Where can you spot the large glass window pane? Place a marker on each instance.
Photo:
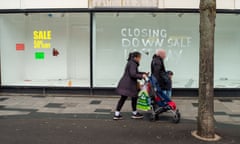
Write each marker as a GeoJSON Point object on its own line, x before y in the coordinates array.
{"type": "Point", "coordinates": [227, 51]}
{"type": "Point", "coordinates": [45, 49]}
{"type": "Point", "coordinates": [117, 34]}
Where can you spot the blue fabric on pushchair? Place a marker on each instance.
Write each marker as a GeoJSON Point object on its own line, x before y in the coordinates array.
{"type": "Point", "coordinates": [155, 86]}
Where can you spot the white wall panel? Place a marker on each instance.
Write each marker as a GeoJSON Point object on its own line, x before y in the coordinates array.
{"type": "Point", "coordinates": [181, 3]}
{"type": "Point", "coordinates": [54, 4]}
{"type": "Point", "coordinates": [10, 4]}
{"type": "Point", "coordinates": [225, 4]}
{"type": "Point", "coordinates": [237, 4]}
{"type": "Point", "coordinates": [221, 4]}
{"type": "Point", "coordinates": [161, 4]}
{"type": "Point", "coordinates": [24, 4]}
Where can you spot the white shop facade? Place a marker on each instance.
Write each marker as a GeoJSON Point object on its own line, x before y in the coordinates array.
{"type": "Point", "coordinates": [83, 50]}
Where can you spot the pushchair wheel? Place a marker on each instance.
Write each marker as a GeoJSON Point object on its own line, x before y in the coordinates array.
{"type": "Point", "coordinates": [154, 117]}
{"type": "Point", "coordinates": [177, 117]}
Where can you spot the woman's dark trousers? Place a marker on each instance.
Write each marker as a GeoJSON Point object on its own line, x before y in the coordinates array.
{"type": "Point", "coordinates": [122, 101]}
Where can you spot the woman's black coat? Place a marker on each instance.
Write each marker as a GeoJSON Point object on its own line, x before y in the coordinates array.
{"type": "Point", "coordinates": [158, 70]}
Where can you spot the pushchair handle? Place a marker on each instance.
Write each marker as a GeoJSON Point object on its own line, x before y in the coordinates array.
{"type": "Point", "coordinates": [146, 79]}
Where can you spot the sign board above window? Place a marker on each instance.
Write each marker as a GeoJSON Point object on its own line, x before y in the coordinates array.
{"type": "Point", "coordinates": [123, 3]}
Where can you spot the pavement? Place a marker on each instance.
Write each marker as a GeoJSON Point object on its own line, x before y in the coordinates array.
{"type": "Point", "coordinates": [88, 120]}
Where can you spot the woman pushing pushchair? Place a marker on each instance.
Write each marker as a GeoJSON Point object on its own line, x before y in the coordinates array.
{"type": "Point", "coordinates": [127, 86]}
{"type": "Point", "coordinates": [158, 86]}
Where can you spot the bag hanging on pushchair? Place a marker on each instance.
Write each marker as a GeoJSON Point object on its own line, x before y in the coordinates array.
{"type": "Point", "coordinates": [144, 101]}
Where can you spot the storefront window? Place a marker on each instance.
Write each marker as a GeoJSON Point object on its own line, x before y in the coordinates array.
{"type": "Point", "coordinates": [53, 49]}
{"type": "Point", "coordinates": [227, 51]}
{"type": "Point", "coordinates": [117, 34]}
{"type": "Point", "coordinates": [45, 49]}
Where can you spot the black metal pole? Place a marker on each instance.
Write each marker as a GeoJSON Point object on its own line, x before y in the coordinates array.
{"type": "Point", "coordinates": [91, 52]}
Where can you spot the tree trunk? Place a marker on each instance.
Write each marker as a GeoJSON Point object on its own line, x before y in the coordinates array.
{"type": "Point", "coordinates": [205, 127]}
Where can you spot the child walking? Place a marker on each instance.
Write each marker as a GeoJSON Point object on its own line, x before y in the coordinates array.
{"type": "Point", "coordinates": [127, 86]}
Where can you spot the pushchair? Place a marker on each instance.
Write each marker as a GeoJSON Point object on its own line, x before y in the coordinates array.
{"type": "Point", "coordinates": [160, 102]}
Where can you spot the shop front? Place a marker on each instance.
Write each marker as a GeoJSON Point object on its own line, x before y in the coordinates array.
{"type": "Point", "coordinates": [74, 50]}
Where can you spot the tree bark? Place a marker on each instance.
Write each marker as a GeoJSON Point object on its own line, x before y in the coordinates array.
{"type": "Point", "coordinates": [205, 127]}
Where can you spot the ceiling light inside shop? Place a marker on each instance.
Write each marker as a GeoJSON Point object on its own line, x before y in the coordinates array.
{"type": "Point", "coordinates": [120, 15]}
{"type": "Point", "coordinates": [153, 15]}
{"type": "Point", "coordinates": [180, 15]}
{"type": "Point", "coordinates": [56, 15]}
{"type": "Point", "coordinates": [116, 14]}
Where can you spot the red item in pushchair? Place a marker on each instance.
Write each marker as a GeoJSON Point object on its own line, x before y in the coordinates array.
{"type": "Point", "coordinates": [172, 105]}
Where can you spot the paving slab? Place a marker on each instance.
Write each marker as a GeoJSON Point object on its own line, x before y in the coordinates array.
{"type": "Point", "coordinates": [9, 113]}
{"type": "Point", "coordinates": [226, 110]}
